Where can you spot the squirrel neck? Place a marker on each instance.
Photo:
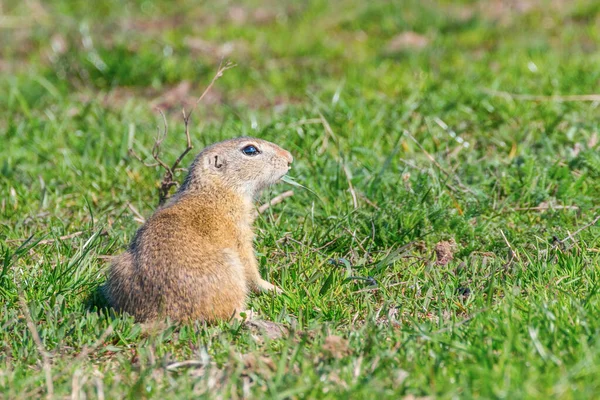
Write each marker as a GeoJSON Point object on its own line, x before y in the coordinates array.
{"type": "Point", "coordinates": [218, 196]}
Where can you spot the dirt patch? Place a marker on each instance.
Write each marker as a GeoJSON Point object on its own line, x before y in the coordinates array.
{"type": "Point", "coordinates": [179, 96]}
{"type": "Point", "coordinates": [266, 329]}
{"type": "Point", "coordinates": [155, 24]}
{"type": "Point", "coordinates": [444, 251]}
{"type": "Point", "coordinates": [505, 11]}
{"type": "Point", "coordinates": [237, 49]}
{"type": "Point", "coordinates": [260, 16]}
{"type": "Point", "coordinates": [255, 363]}
{"type": "Point", "coordinates": [170, 99]}
{"type": "Point", "coordinates": [336, 347]}
{"type": "Point", "coordinates": [406, 41]}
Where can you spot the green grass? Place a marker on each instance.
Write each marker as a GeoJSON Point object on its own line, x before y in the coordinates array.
{"type": "Point", "coordinates": [491, 172]}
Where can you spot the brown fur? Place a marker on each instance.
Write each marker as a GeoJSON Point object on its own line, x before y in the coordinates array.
{"type": "Point", "coordinates": [194, 258]}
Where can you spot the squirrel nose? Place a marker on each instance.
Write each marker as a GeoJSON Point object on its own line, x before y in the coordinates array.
{"type": "Point", "coordinates": [288, 156]}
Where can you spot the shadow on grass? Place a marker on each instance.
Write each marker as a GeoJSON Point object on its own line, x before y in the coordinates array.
{"type": "Point", "coordinates": [96, 302]}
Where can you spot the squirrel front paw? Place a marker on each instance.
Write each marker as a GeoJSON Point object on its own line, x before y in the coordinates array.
{"type": "Point", "coordinates": [264, 286]}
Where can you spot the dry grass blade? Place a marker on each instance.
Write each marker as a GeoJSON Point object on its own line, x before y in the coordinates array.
{"type": "Point", "coordinates": [561, 242]}
{"type": "Point", "coordinates": [138, 216]}
{"type": "Point", "coordinates": [328, 133]}
{"type": "Point", "coordinates": [48, 241]}
{"type": "Point", "coordinates": [275, 200]}
{"type": "Point", "coordinates": [437, 164]}
{"type": "Point", "coordinates": [534, 97]}
{"type": "Point", "coordinates": [222, 68]}
{"type": "Point", "coordinates": [578, 231]}
{"type": "Point", "coordinates": [186, 364]}
{"type": "Point", "coordinates": [350, 187]}
{"type": "Point", "coordinates": [545, 207]}
{"type": "Point", "coordinates": [513, 253]}
{"type": "Point", "coordinates": [87, 350]}
{"type": "Point", "coordinates": [76, 384]}
{"type": "Point", "coordinates": [40, 347]}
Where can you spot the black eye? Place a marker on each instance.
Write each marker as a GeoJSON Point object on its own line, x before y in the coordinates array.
{"type": "Point", "coordinates": [250, 150]}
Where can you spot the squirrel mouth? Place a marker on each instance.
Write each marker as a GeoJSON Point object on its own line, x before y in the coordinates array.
{"type": "Point", "coordinates": [281, 175]}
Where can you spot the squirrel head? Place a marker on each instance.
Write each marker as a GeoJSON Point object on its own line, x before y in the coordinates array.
{"type": "Point", "coordinates": [246, 165]}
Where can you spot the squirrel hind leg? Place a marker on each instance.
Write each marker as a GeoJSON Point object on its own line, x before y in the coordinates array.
{"type": "Point", "coordinates": [118, 288]}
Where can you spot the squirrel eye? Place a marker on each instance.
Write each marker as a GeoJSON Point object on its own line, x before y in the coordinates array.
{"type": "Point", "coordinates": [250, 150]}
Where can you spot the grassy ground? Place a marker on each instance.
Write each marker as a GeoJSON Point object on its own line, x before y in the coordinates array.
{"type": "Point", "coordinates": [451, 252]}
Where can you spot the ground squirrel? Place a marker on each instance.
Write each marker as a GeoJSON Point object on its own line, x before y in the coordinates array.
{"type": "Point", "coordinates": [194, 258]}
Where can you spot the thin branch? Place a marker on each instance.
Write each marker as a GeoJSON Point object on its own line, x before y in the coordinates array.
{"type": "Point", "coordinates": [275, 200]}
{"type": "Point", "coordinates": [168, 180]}
{"type": "Point", "coordinates": [136, 156]}
{"type": "Point", "coordinates": [40, 347]}
{"type": "Point", "coordinates": [158, 142]}
{"type": "Point", "coordinates": [65, 237]}
{"type": "Point", "coordinates": [186, 122]}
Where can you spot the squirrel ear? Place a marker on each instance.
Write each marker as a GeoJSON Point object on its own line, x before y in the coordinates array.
{"type": "Point", "coordinates": [215, 161]}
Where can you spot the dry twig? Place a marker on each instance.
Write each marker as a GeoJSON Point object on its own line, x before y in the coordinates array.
{"type": "Point", "coordinates": [578, 231]}
{"type": "Point", "coordinates": [556, 242]}
{"type": "Point", "coordinates": [168, 180]}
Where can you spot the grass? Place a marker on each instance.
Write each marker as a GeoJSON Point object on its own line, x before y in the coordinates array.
{"type": "Point", "coordinates": [407, 148]}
